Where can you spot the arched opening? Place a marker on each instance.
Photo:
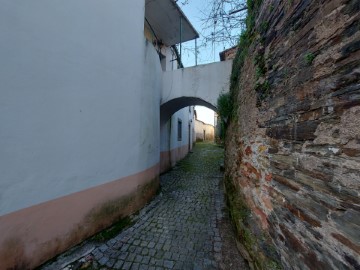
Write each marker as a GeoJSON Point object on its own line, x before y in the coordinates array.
{"type": "Point", "coordinates": [205, 124]}
{"type": "Point", "coordinates": [169, 108]}
{"type": "Point", "coordinates": [178, 129]}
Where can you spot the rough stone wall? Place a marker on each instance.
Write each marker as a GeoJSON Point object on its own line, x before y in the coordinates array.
{"type": "Point", "coordinates": [293, 148]}
{"type": "Point", "coordinates": [228, 54]}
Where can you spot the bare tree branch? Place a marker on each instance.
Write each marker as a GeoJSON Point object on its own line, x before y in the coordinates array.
{"type": "Point", "coordinates": [222, 22]}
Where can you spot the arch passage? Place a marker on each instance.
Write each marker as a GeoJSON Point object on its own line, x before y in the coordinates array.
{"type": "Point", "coordinates": [172, 106]}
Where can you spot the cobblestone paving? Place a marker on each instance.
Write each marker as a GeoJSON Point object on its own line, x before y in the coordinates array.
{"type": "Point", "coordinates": [181, 227]}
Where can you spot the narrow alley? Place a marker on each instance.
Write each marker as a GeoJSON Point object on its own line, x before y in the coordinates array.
{"type": "Point", "coordinates": [186, 226]}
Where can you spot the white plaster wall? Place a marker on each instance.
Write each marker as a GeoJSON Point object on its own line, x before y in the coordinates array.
{"type": "Point", "coordinates": [169, 61]}
{"type": "Point", "coordinates": [80, 96]}
{"type": "Point", "coordinates": [205, 82]}
{"type": "Point", "coordinates": [169, 131]}
{"type": "Point", "coordinates": [199, 131]}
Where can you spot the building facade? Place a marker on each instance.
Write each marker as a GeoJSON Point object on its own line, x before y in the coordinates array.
{"type": "Point", "coordinates": [204, 131]}
{"type": "Point", "coordinates": [92, 110]}
{"type": "Point", "coordinates": [80, 125]}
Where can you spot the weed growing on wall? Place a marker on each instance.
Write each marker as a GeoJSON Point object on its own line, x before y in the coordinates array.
{"type": "Point", "coordinates": [225, 109]}
{"type": "Point", "coordinates": [245, 40]}
{"type": "Point", "coordinates": [225, 106]}
{"type": "Point", "coordinates": [239, 210]}
{"type": "Point", "coordinates": [309, 58]}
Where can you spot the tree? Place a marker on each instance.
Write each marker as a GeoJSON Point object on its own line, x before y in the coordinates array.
{"type": "Point", "coordinates": [222, 22]}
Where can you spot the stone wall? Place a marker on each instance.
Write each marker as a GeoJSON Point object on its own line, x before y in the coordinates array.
{"type": "Point", "coordinates": [293, 146]}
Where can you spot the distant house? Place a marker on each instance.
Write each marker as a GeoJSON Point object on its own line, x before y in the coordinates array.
{"type": "Point", "coordinates": [204, 131]}
{"type": "Point", "coordinates": [228, 53]}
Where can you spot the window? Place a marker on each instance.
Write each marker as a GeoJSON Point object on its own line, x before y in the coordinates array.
{"type": "Point", "coordinates": [179, 130]}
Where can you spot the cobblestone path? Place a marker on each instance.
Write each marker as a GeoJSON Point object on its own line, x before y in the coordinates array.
{"type": "Point", "coordinates": [185, 227]}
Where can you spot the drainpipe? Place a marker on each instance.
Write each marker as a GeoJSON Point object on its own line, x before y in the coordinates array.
{"type": "Point", "coordinates": [180, 35]}
{"type": "Point", "coordinates": [195, 51]}
{"type": "Point", "coordinates": [180, 64]}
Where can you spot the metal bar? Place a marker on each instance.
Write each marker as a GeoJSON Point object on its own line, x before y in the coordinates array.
{"type": "Point", "coordinates": [196, 51]}
{"type": "Point", "coordinates": [177, 56]}
{"type": "Point", "coordinates": [180, 36]}
{"type": "Point", "coordinates": [213, 41]}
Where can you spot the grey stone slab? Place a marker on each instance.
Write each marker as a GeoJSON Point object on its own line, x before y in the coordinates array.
{"type": "Point", "coordinates": [110, 263]}
{"type": "Point", "coordinates": [103, 260]}
{"type": "Point", "coordinates": [123, 255]}
{"type": "Point", "coordinates": [146, 260]}
{"type": "Point", "coordinates": [131, 257]}
{"type": "Point", "coordinates": [143, 267]}
{"type": "Point", "coordinates": [135, 266]}
{"type": "Point", "coordinates": [138, 258]}
{"type": "Point", "coordinates": [152, 252]}
{"type": "Point", "coordinates": [145, 251]}
{"type": "Point", "coordinates": [118, 264]}
{"type": "Point", "coordinates": [136, 242]}
{"type": "Point", "coordinates": [127, 265]}
{"type": "Point", "coordinates": [103, 247]}
{"type": "Point", "coordinates": [125, 247]}
{"type": "Point", "coordinates": [168, 264]}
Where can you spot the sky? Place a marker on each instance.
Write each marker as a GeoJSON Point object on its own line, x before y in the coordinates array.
{"type": "Point", "coordinates": [194, 12]}
{"type": "Point", "coordinates": [205, 114]}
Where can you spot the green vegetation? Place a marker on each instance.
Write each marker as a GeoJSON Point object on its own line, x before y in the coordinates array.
{"type": "Point", "coordinates": [241, 216]}
{"type": "Point", "coordinates": [264, 26]}
{"type": "Point", "coordinates": [239, 212]}
{"type": "Point", "coordinates": [272, 7]}
{"type": "Point", "coordinates": [213, 156]}
{"type": "Point", "coordinates": [253, 37]}
{"type": "Point", "coordinates": [309, 58]}
{"type": "Point", "coordinates": [259, 62]}
{"type": "Point", "coordinates": [246, 39]}
{"type": "Point", "coordinates": [225, 106]}
{"type": "Point", "coordinates": [263, 91]}
{"type": "Point", "coordinates": [104, 215]}
{"type": "Point", "coordinates": [225, 111]}
{"type": "Point", "coordinates": [187, 165]}
{"type": "Point", "coordinates": [262, 88]}
{"type": "Point", "coordinates": [274, 265]}
{"type": "Point", "coordinates": [113, 230]}
{"type": "Point", "coordinates": [259, 72]}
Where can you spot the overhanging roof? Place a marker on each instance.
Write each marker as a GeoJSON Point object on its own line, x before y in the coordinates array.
{"type": "Point", "coordinates": [164, 18]}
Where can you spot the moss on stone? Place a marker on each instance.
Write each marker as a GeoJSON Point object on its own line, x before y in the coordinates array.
{"type": "Point", "coordinates": [114, 230]}
{"type": "Point", "coordinates": [309, 58]}
{"type": "Point", "coordinates": [241, 216]}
